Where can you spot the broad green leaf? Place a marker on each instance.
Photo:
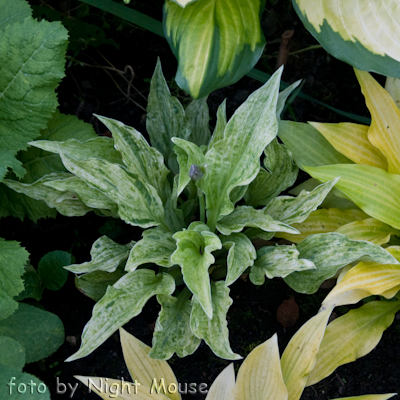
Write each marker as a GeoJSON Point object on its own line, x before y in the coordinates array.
{"type": "Point", "coordinates": [218, 133]}
{"type": "Point", "coordinates": [33, 288]}
{"type": "Point", "coordinates": [299, 357]}
{"type": "Point", "coordinates": [7, 305]}
{"type": "Point", "coordinates": [143, 368]}
{"type": "Point", "coordinates": [12, 353]}
{"type": "Point", "coordinates": [308, 146]}
{"type": "Point", "coordinates": [8, 160]}
{"type": "Point", "coordinates": [278, 261]}
{"type": "Point", "coordinates": [13, 11]}
{"type": "Point", "coordinates": [373, 190]}
{"type": "Point", "coordinates": [122, 301]}
{"type": "Point", "coordinates": [352, 336]}
{"type": "Point", "coordinates": [329, 252]}
{"type": "Point", "coordinates": [345, 30]}
{"type": "Point", "coordinates": [234, 160]}
{"type": "Point", "coordinates": [172, 332]}
{"type": "Point", "coordinates": [248, 216]}
{"type": "Point", "coordinates": [352, 141]}
{"type": "Point", "coordinates": [260, 375]}
{"type": "Point", "coordinates": [291, 210]}
{"type": "Point", "coordinates": [214, 331]}
{"type": "Point", "coordinates": [106, 256]}
{"type": "Point", "coordinates": [51, 271]}
{"type": "Point", "coordinates": [40, 332]}
{"type": "Point", "coordinates": [142, 160]}
{"type": "Point", "coordinates": [241, 255]}
{"type": "Point", "coordinates": [223, 388]}
{"type": "Point", "coordinates": [199, 117]}
{"type": "Point", "coordinates": [193, 254]}
{"type": "Point", "coordinates": [216, 42]}
{"type": "Point", "coordinates": [156, 247]}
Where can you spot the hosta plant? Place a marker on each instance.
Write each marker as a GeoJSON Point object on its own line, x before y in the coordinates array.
{"type": "Point", "coordinates": [198, 216]}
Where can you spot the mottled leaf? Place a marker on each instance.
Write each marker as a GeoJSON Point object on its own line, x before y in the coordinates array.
{"type": "Point", "coordinates": [199, 117]}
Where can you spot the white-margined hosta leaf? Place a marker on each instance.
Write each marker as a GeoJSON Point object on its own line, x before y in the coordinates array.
{"type": "Point", "coordinates": [241, 255]}
{"type": "Point", "coordinates": [219, 129]}
{"type": "Point", "coordinates": [214, 331]}
{"type": "Point", "coordinates": [193, 254]}
{"type": "Point", "coordinates": [106, 256]}
{"type": "Point", "coordinates": [248, 216]}
{"type": "Point", "coordinates": [278, 261]}
{"type": "Point", "coordinates": [216, 42]}
{"type": "Point", "coordinates": [235, 160]}
{"type": "Point", "coordinates": [329, 252]}
{"type": "Point", "coordinates": [122, 301]}
{"type": "Point", "coordinates": [199, 117]}
{"type": "Point", "coordinates": [156, 247]}
{"type": "Point", "coordinates": [138, 202]}
{"type": "Point", "coordinates": [172, 332]}
{"type": "Point", "coordinates": [365, 35]}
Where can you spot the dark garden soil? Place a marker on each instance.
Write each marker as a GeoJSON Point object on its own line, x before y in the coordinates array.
{"type": "Point", "coordinates": [252, 318]}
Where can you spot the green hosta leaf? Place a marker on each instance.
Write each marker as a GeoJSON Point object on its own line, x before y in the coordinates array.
{"type": "Point", "coordinates": [165, 116]}
{"type": "Point", "coordinates": [39, 331]}
{"type": "Point", "coordinates": [214, 331]}
{"type": "Point", "coordinates": [218, 133]}
{"type": "Point", "coordinates": [142, 160]}
{"type": "Point", "coordinates": [199, 117]}
{"type": "Point", "coordinates": [172, 332]}
{"type": "Point", "coordinates": [248, 216]}
{"type": "Point", "coordinates": [13, 11]}
{"type": "Point", "coordinates": [51, 271]}
{"type": "Point", "coordinates": [7, 305]}
{"type": "Point", "coordinates": [345, 31]}
{"type": "Point", "coordinates": [122, 301]}
{"type": "Point", "coordinates": [278, 261]}
{"type": "Point", "coordinates": [216, 42]}
{"type": "Point", "coordinates": [241, 255]}
{"type": "Point", "coordinates": [156, 247]}
{"type": "Point", "coordinates": [12, 353]}
{"type": "Point", "coordinates": [193, 254]}
{"type": "Point", "coordinates": [329, 252]}
{"type": "Point", "coordinates": [296, 209]}
{"type": "Point", "coordinates": [106, 256]}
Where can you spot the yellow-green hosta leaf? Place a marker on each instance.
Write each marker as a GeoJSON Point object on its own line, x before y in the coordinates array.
{"type": "Point", "coordinates": [299, 357]}
{"type": "Point", "coordinates": [223, 388]}
{"type": "Point", "coordinates": [385, 126]}
{"type": "Point", "coordinates": [392, 86]}
{"type": "Point", "coordinates": [143, 368]}
{"type": "Point", "coordinates": [106, 256]}
{"type": "Point", "coordinates": [214, 331]}
{"type": "Point", "coordinates": [373, 190]}
{"type": "Point", "coordinates": [260, 375]}
{"type": "Point", "coordinates": [352, 141]}
{"type": "Point", "coordinates": [216, 42]}
{"type": "Point", "coordinates": [365, 36]}
{"type": "Point", "coordinates": [198, 115]}
{"type": "Point", "coordinates": [122, 301]}
{"type": "Point", "coordinates": [352, 336]}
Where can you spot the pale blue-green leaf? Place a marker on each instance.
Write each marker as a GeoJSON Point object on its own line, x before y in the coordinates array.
{"type": "Point", "coordinates": [198, 115]}
{"type": "Point", "coordinates": [13, 11]}
{"type": "Point", "coordinates": [218, 133]}
{"type": "Point", "coordinates": [156, 247]}
{"type": "Point", "coordinates": [277, 261]}
{"type": "Point", "coordinates": [51, 271]}
{"type": "Point", "coordinates": [122, 301]}
{"type": "Point", "coordinates": [241, 255]}
{"type": "Point", "coordinates": [12, 353]}
{"type": "Point", "coordinates": [7, 305]}
{"type": "Point", "coordinates": [214, 331]}
{"type": "Point", "coordinates": [283, 96]}
{"type": "Point", "coordinates": [329, 252]}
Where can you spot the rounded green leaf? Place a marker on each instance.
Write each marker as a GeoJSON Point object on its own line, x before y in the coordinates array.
{"type": "Point", "coordinates": [12, 353]}
{"type": "Point", "coordinates": [51, 271]}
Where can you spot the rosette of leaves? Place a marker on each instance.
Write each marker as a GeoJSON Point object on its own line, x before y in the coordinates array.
{"type": "Point", "coordinates": [199, 217]}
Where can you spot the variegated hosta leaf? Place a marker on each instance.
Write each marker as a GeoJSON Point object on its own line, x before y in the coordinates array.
{"type": "Point", "coordinates": [373, 190]}
{"type": "Point", "coordinates": [323, 221]}
{"type": "Point", "coordinates": [392, 86]}
{"type": "Point", "coordinates": [193, 254]}
{"type": "Point", "coordinates": [223, 388]}
{"type": "Point", "coordinates": [235, 160]}
{"type": "Point", "coordinates": [122, 301]}
{"type": "Point", "coordinates": [156, 247]}
{"type": "Point", "coordinates": [283, 96]}
{"type": "Point", "coordinates": [214, 331]}
{"type": "Point", "coordinates": [299, 357]}
{"type": "Point", "coordinates": [199, 117]}
{"type": "Point", "coordinates": [278, 261]}
{"type": "Point", "coordinates": [106, 256]}
{"type": "Point", "coordinates": [172, 333]}
{"type": "Point", "coordinates": [260, 375]}
{"type": "Point", "coordinates": [366, 36]}
{"type": "Point", "coordinates": [352, 336]}
{"type": "Point", "coordinates": [138, 202]}
{"type": "Point", "coordinates": [143, 368]}
{"type": "Point", "coordinates": [280, 173]}
{"type": "Point", "coordinates": [216, 42]}
{"type": "Point", "coordinates": [290, 209]}
{"type": "Point", "coordinates": [241, 255]}
{"type": "Point", "coordinates": [248, 216]}
{"type": "Point", "coordinates": [219, 129]}
{"type": "Point", "coordinates": [142, 160]}
{"type": "Point", "coordinates": [329, 252]}
{"type": "Point", "coordinates": [165, 116]}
